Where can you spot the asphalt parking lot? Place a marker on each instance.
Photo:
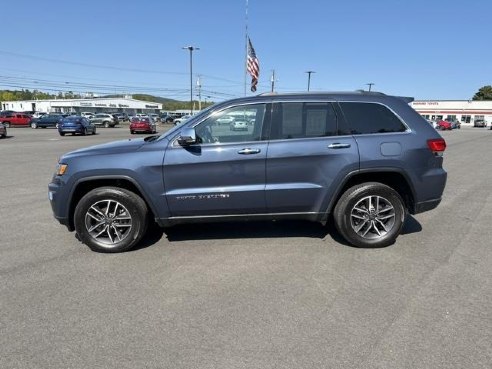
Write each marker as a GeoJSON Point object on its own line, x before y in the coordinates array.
{"type": "Point", "coordinates": [245, 295]}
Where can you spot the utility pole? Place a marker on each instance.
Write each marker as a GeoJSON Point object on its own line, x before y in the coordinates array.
{"type": "Point", "coordinates": [191, 48]}
{"type": "Point", "coordinates": [309, 77]}
{"type": "Point", "coordinates": [199, 88]}
{"type": "Point", "coordinates": [273, 80]}
{"type": "Point", "coordinates": [370, 84]}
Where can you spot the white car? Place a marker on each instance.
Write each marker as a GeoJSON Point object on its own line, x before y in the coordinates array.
{"type": "Point", "coordinates": [181, 119]}
{"type": "Point", "coordinates": [226, 119]}
{"type": "Point", "coordinates": [239, 125]}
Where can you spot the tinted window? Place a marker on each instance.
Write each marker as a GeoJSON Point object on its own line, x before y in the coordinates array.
{"type": "Point", "coordinates": [303, 120]}
{"type": "Point", "coordinates": [244, 123]}
{"type": "Point", "coordinates": [371, 118]}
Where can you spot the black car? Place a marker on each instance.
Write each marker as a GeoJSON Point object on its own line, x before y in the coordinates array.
{"type": "Point", "coordinates": [76, 124]}
{"type": "Point", "coordinates": [50, 120]}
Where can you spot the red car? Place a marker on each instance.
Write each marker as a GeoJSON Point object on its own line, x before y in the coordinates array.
{"type": "Point", "coordinates": [444, 125]}
{"type": "Point", "coordinates": [142, 124]}
{"type": "Point", "coordinates": [15, 119]}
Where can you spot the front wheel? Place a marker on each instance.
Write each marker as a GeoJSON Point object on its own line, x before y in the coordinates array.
{"type": "Point", "coordinates": [370, 215]}
{"type": "Point", "coordinates": [34, 125]}
{"type": "Point", "coordinates": [106, 125]}
{"type": "Point", "coordinates": [110, 219]}
{"type": "Point", "coordinates": [6, 124]}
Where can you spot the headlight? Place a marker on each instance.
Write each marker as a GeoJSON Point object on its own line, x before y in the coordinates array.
{"type": "Point", "coordinates": [61, 169]}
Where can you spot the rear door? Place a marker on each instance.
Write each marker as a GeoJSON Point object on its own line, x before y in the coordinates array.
{"type": "Point", "coordinates": [309, 155]}
{"type": "Point", "coordinates": [223, 174]}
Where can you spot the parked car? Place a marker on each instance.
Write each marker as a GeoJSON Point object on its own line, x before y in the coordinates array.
{"type": "Point", "coordinates": [225, 120]}
{"type": "Point", "coordinates": [76, 124]}
{"type": "Point", "coordinates": [15, 119]}
{"type": "Point", "coordinates": [480, 123]}
{"type": "Point", "coordinates": [167, 118]}
{"type": "Point", "coordinates": [454, 124]}
{"type": "Point", "coordinates": [49, 120]}
{"type": "Point", "coordinates": [182, 119]}
{"type": "Point", "coordinates": [239, 125]}
{"type": "Point", "coordinates": [369, 162]}
{"type": "Point", "coordinates": [444, 125]}
{"type": "Point", "coordinates": [4, 113]}
{"type": "Point", "coordinates": [87, 114]}
{"type": "Point", "coordinates": [144, 125]}
{"type": "Point", "coordinates": [155, 117]}
{"type": "Point", "coordinates": [39, 114]}
{"type": "Point", "coordinates": [105, 120]}
{"type": "Point", "coordinates": [3, 131]}
{"type": "Point", "coordinates": [122, 117]}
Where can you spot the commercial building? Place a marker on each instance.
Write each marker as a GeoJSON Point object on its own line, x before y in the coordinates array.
{"type": "Point", "coordinates": [465, 111]}
{"type": "Point", "coordinates": [94, 105]}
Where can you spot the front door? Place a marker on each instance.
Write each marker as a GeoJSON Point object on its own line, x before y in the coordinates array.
{"type": "Point", "coordinates": [224, 173]}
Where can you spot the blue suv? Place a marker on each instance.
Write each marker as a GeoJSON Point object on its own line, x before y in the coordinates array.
{"type": "Point", "coordinates": [363, 160]}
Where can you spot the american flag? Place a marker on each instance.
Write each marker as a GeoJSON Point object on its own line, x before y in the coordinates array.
{"type": "Point", "coordinates": [253, 66]}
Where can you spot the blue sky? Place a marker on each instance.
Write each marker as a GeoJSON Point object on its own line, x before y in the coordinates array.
{"type": "Point", "coordinates": [434, 49]}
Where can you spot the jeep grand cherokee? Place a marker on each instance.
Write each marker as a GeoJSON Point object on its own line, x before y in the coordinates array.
{"type": "Point", "coordinates": [361, 159]}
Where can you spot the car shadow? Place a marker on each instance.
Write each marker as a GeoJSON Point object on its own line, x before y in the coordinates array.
{"type": "Point", "coordinates": [411, 225]}
{"type": "Point", "coordinates": [254, 229]}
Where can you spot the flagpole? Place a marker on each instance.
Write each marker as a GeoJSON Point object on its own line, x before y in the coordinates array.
{"type": "Point", "coordinates": [246, 49]}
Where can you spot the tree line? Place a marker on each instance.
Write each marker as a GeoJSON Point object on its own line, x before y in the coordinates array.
{"type": "Point", "coordinates": [24, 94]}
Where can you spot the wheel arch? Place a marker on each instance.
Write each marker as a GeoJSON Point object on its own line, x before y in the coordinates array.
{"type": "Point", "coordinates": [393, 178]}
{"type": "Point", "coordinates": [88, 184]}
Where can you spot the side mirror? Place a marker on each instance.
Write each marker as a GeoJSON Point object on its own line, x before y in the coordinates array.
{"type": "Point", "coordinates": [188, 137]}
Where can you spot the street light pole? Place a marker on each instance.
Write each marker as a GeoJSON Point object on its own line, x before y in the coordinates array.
{"type": "Point", "coordinates": [191, 48]}
{"type": "Point", "coordinates": [309, 77]}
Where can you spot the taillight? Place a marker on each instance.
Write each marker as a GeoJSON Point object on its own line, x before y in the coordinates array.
{"type": "Point", "coordinates": [437, 145]}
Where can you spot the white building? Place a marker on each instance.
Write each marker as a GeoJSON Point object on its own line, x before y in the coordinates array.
{"type": "Point", "coordinates": [465, 111]}
{"type": "Point", "coordinates": [95, 105]}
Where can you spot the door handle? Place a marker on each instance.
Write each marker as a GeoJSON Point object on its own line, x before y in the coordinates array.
{"type": "Point", "coordinates": [249, 151]}
{"type": "Point", "coordinates": [339, 146]}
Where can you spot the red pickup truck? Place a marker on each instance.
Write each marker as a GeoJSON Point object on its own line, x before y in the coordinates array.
{"type": "Point", "coordinates": [15, 119]}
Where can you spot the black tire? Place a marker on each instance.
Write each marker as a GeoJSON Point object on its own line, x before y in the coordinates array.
{"type": "Point", "coordinates": [106, 125]}
{"type": "Point", "coordinates": [101, 234]}
{"type": "Point", "coordinates": [370, 215]}
{"type": "Point", "coordinates": [34, 125]}
{"type": "Point", "coordinates": [84, 132]}
{"type": "Point", "coordinates": [132, 132]}
{"type": "Point", "coordinates": [6, 124]}
{"type": "Point", "coordinates": [94, 130]}
{"type": "Point", "coordinates": [62, 133]}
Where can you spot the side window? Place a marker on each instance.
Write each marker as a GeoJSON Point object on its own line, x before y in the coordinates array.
{"type": "Point", "coordinates": [237, 124]}
{"type": "Point", "coordinates": [303, 120]}
{"type": "Point", "coordinates": [364, 118]}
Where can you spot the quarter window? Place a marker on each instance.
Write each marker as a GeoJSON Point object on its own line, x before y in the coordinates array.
{"type": "Point", "coordinates": [366, 118]}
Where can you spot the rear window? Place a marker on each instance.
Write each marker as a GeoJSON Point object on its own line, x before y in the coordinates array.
{"type": "Point", "coordinates": [364, 118]}
{"type": "Point", "coordinates": [72, 119]}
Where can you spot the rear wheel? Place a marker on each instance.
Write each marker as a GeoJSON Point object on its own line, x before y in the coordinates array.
{"type": "Point", "coordinates": [6, 124]}
{"type": "Point", "coordinates": [34, 125]}
{"type": "Point", "coordinates": [62, 133]}
{"type": "Point", "coordinates": [110, 219]}
{"type": "Point", "coordinates": [106, 124]}
{"type": "Point", "coordinates": [370, 215]}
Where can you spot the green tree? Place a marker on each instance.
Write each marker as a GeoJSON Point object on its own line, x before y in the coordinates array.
{"type": "Point", "coordinates": [484, 93]}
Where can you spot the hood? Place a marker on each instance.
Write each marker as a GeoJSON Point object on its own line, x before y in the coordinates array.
{"type": "Point", "coordinates": [109, 148]}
